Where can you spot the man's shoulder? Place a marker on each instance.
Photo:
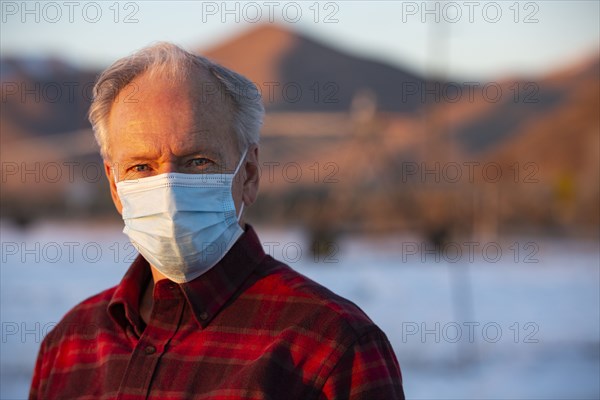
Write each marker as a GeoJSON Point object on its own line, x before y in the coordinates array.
{"type": "Point", "coordinates": [85, 318]}
{"type": "Point", "coordinates": [307, 302]}
{"type": "Point", "coordinates": [98, 302]}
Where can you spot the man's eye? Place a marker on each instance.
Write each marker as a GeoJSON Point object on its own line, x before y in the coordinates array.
{"type": "Point", "coordinates": [140, 168]}
{"type": "Point", "coordinates": [199, 162]}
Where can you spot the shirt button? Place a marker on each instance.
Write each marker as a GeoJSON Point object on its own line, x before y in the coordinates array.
{"type": "Point", "coordinates": [204, 316]}
{"type": "Point", "coordinates": [150, 350]}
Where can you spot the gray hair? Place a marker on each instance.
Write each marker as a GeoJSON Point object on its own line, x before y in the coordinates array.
{"type": "Point", "coordinates": [169, 59]}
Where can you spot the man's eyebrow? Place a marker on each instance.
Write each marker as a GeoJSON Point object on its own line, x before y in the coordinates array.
{"type": "Point", "coordinates": [215, 154]}
{"type": "Point", "coordinates": [136, 158]}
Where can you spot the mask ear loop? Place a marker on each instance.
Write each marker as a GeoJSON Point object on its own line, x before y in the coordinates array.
{"type": "Point", "coordinates": [115, 173]}
{"type": "Point", "coordinates": [240, 162]}
{"type": "Point", "coordinates": [234, 174]}
{"type": "Point", "coordinates": [241, 211]}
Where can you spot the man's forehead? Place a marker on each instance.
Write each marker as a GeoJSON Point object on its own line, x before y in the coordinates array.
{"type": "Point", "coordinates": [191, 136]}
{"type": "Point", "coordinates": [190, 110]}
{"type": "Point", "coordinates": [197, 86]}
{"type": "Point", "coordinates": [149, 149]}
{"type": "Point", "coordinates": [130, 148]}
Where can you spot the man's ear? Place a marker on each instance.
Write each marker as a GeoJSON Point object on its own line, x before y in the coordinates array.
{"type": "Point", "coordinates": [110, 175]}
{"type": "Point", "coordinates": [252, 178]}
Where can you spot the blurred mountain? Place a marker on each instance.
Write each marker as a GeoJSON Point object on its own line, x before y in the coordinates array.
{"type": "Point", "coordinates": [348, 143]}
{"type": "Point", "coordinates": [43, 96]}
{"type": "Point", "coordinates": [296, 73]}
{"type": "Point", "coordinates": [49, 163]}
{"type": "Point", "coordinates": [543, 137]}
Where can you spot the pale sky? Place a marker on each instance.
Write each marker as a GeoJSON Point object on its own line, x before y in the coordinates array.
{"type": "Point", "coordinates": [470, 39]}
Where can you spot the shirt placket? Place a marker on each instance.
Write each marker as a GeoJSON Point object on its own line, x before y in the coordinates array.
{"type": "Point", "coordinates": [163, 324]}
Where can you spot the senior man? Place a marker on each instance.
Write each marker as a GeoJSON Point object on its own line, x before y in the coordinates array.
{"type": "Point", "coordinates": [202, 312]}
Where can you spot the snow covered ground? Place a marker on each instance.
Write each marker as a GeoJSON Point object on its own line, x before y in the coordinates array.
{"type": "Point", "coordinates": [517, 319]}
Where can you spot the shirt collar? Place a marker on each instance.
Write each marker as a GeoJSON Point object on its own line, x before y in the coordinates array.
{"type": "Point", "coordinates": [206, 295]}
{"type": "Point", "coordinates": [124, 307]}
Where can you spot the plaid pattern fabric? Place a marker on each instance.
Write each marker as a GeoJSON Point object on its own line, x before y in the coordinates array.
{"type": "Point", "coordinates": [249, 328]}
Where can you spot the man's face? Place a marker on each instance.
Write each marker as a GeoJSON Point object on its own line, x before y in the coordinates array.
{"type": "Point", "coordinates": [162, 126]}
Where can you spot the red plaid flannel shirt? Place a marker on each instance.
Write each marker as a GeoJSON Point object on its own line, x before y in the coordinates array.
{"type": "Point", "coordinates": [250, 328]}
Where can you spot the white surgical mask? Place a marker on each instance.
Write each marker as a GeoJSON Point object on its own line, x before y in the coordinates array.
{"type": "Point", "coordinates": [183, 224]}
